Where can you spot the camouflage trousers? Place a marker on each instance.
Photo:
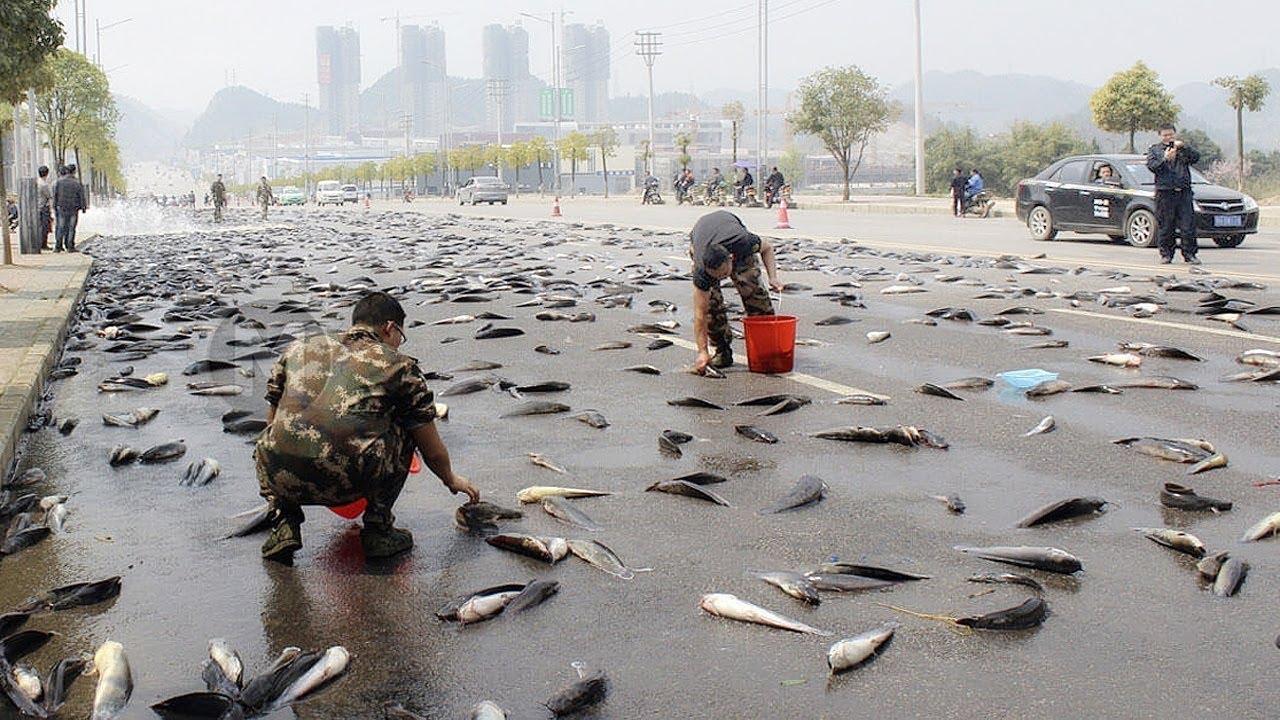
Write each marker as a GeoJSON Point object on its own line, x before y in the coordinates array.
{"type": "Point", "coordinates": [378, 476]}
{"type": "Point", "coordinates": [755, 300]}
{"type": "Point", "coordinates": [217, 210]}
{"type": "Point", "coordinates": [265, 205]}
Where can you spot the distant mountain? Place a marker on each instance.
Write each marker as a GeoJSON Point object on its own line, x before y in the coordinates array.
{"type": "Point", "coordinates": [238, 112]}
{"type": "Point", "coordinates": [146, 134]}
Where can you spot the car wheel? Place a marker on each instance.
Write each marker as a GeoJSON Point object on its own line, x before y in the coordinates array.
{"type": "Point", "coordinates": [461, 201]}
{"type": "Point", "coordinates": [504, 202]}
{"type": "Point", "coordinates": [1040, 223]}
{"type": "Point", "coordinates": [1229, 241]}
{"type": "Point", "coordinates": [1140, 229]}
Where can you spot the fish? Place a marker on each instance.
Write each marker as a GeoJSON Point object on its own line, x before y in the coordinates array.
{"type": "Point", "coordinates": [227, 659]}
{"type": "Point", "coordinates": [1041, 558]}
{"type": "Point", "coordinates": [613, 345]}
{"type": "Point", "coordinates": [201, 473]}
{"type": "Point", "coordinates": [666, 327]}
{"type": "Point", "coordinates": [59, 680]}
{"type": "Point", "coordinates": [756, 434]}
{"type": "Point", "coordinates": [536, 493]}
{"type": "Point", "coordinates": [1046, 425]}
{"type": "Point", "coordinates": [1007, 578]}
{"type": "Point", "coordinates": [455, 320]}
{"type": "Point", "coordinates": [840, 582]}
{"type": "Point", "coordinates": [167, 452]}
{"type": "Point", "coordinates": [688, 489]}
{"type": "Point", "coordinates": [488, 710]}
{"type": "Point", "coordinates": [969, 383]}
{"type": "Point", "coordinates": [1030, 330]}
{"type": "Point", "coordinates": [204, 366]}
{"type": "Point", "coordinates": [1180, 451]}
{"type": "Point", "coordinates": [115, 681]}
{"type": "Point", "coordinates": [289, 665]}
{"type": "Point", "coordinates": [533, 594]}
{"type": "Point", "coordinates": [1047, 388]}
{"type": "Point", "coordinates": [468, 386]}
{"type": "Point", "coordinates": [877, 336]}
{"type": "Point", "coordinates": [953, 503]}
{"type": "Point", "coordinates": [536, 407]}
{"type": "Point", "coordinates": [560, 509]}
{"type": "Point", "coordinates": [1216, 460]}
{"type": "Point", "coordinates": [902, 289]}
{"type": "Point", "coordinates": [772, 400]}
{"type": "Point", "coordinates": [807, 490]}
{"type": "Point", "coordinates": [730, 606]}
{"type": "Point", "coordinates": [703, 478]}
{"type": "Point", "coordinates": [677, 437]}
{"type": "Point", "coordinates": [23, 539]}
{"type": "Point", "coordinates": [81, 594]}
{"type": "Point", "coordinates": [937, 391]}
{"type": "Point", "coordinates": [1230, 577]}
{"type": "Point", "coordinates": [643, 369]}
{"type": "Point", "coordinates": [1260, 358]}
{"type": "Point", "coordinates": [1062, 510]}
{"type": "Point", "coordinates": [259, 518]}
{"type": "Point", "coordinates": [137, 418]}
{"type": "Point", "coordinates": [214, 389]}
{"type": "Point", "coordinates": [541, 461]}
{"type": "Point", "coordinates": [659, 344]}
{"type": "Point", "coordinates": [593, 418]}
{"type": "Point", "coordinates": [1181, 497]}
{"type": "Point", "coordinates": [122, 455]}
{"type": "Point", "coordinates": [476, 366]}
{"type": "Point", "coordinates": [546, 350]}
{"type": "Point", "coordinates": [579, 695]}
{"type": "Point", "coordinates": [1157, 382]}
{"type": "Point", "coordinates": [483, 516]}
{"type": "Point", "coordinates": [481, 605]}
{"type": "Point", "coordinates": [791, 583]}
{"type": "Point", "coordinates": [1029, 614]}
{"type": "Point", "coordinates": [1163, 351]}
{"type": "Point", "coordinates": [852, 652]}
{"type": "Point", "coordinates": [544, 549]}
{"type": "Point", "coordinates": [211, 705]}
{"type": "Point", "coordinates": [492, 333]}
{"type": "Point", "coordinates": [332, 663]}
{"type": "Point", "coordinates": [1047, 345]}
{"type": "Point", "coordinates": [1175, 539]}
{"type": "Point", "coordinates": [907, 435]}
{"type": "Point", "coordinates": [694, 402]}
{"type": "Point", "coordinates": [1209, 565]}
{"type": "Point", "coordinates": [1264, 528]}
{"type": "Point", "coordinates": [551, 386]}
{"type": "Point", "coordinates": [21, 644]}
{"type": "Point", "coordinates": [1128, 360]}
{"type": "Point", "coordinates": [599, 556]}
{"type": "Point", "coordinates": [869, 571]}
{"type": "Point", "coordinates": [860, 400]}
{"type": "Point", "coordinates": [836, 320]}
{"type": "Point", "coordinates": [11, 622]}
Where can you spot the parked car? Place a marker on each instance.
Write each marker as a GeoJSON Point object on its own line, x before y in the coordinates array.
{"type": "Point", "coordinates": [1069, 195]}
{"type": "Point", "coordinates": [291, 195]}
{"type": "Point", "coordinates": [350, 194]}
{"type": "Point", "coordinates": [482, 188]}
{"type": "Point", "coordinates": [328, 192]}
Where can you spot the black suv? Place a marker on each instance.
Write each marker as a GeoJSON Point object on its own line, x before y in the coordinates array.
{"type": "Point", "coordinates": [1071, 195]}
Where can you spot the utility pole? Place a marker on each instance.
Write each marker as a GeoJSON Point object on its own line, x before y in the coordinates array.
{"type": "Point", "coordinates": [498, 93]}
{"type": "Point", "coordinates": [648, 47]}
{"type": "Point", "coordinates": [306, 141]}
{"type": "Point", "coordinates": [31, 122]}
{"type": "Point", "coordinates": [762, 100]}
{"type": "Point", "coordinates": [919, 105]}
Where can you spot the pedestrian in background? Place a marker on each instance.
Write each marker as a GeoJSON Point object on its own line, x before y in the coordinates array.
{"type": "Point", "coordinates": [45, 191]}
{"type": "Point", "coordinates": [265, 196]}
{"type": "Point", "coordinates": [1171, 160]}
{"type": "Point", "coordinates": [958, 181]}
{"type": "Point", "coordinates": [68, 203]}
{"type": "Point", "coordinates": [219, 193]}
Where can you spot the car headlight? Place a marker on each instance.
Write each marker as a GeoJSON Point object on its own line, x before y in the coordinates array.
{"type": "Point", "coordinates": [1250, 204]}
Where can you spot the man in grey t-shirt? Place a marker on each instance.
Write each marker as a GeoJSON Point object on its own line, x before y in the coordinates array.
{"type": "Point", "coordinates": [721, 247]}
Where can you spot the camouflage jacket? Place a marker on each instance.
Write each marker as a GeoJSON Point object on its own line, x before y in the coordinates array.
{"type": "Point", "coordinates": [335, 397]}
{"type": "Point", "coordinates": [218, 190]}
{"type": "Point", "coordinates": [264, 192]}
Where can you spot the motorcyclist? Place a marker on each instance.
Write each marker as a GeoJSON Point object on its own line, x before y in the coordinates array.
{"type": "Point", "coordinates": [746, 182]}
{"type": "Point", "coordinates": [683, 185]}
{"type": "Point", "coordinates": [973, 186]}
{"type": "Point", "coordinates": [714, 182]}
{"type": "Point", "coordinates": [773, 183]}
{"type": "Point", "coordinates": [650, 189]}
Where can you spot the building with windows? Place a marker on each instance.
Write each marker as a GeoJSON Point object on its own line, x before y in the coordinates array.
{"type": "Point", "coordinates": [584, 59]}
{"type": "Point", "coordinates": [422, 68]}
{"type": "Point", "coordinates": [338, 74]}
{"type": "Point", "coordinates": [509, 89]}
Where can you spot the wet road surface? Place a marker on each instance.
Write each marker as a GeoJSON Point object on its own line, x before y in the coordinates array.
{"type": "Point", "coordinates": [1131, 635]}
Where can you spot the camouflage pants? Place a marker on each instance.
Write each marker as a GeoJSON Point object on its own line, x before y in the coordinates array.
{"type": "Point", "coordinates": [378, 476]}
{"type": "Point", "coordinates": [265, 205]}
{"type": "Point", "coordinates": [217, 210]}
{"type": "Point", "coordinates": [755, 300]}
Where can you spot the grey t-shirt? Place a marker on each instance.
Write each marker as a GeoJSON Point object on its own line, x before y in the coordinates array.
{"type": "Point", "coordinates": [722, 228]}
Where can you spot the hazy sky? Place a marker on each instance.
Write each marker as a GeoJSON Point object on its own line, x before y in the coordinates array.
{"type": "Point", "coordinates": [176, 54]}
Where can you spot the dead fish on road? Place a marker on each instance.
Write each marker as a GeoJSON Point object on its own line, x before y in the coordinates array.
{"type": "Point", "coordinates": [533, 594]}
{"type": "Point", "coordinates": [579, 695]}
{"type": "Point", "coordinates": [1230, 577]}
{"type": "Point", "coordinates": [643, 369]}
{"type": "Point", "coordinates": [877, 336]}
{"type": "Point", "coordinates": [1062, 510]}
{"type": "Point", "coordinates": [969, 383]}
{"type": "Point", "coordinates": [1031, 613]}
{"type": "Point", "coordinates": [840, 582]}
{"type": "Point", "coordinates": [1047, 345]}
{"type": "Point", "coordinates": [937, 391]}
{"type": "Point", "coordinates": [688, 489]}
{"type": "Point", "coordinates": [483, 516]}
{"type": "Point", "coordinates": [204, 366]}
{"type": "Point", "coordinates": [756, 434]}
{"type": "Point", "coordinates": [167, 452]}
{"type": "Point", "coordinates": [139, 416]}
{"type": "Point", "coordinates": [1128, 360]}
{"type": "Point", "coordinates": [1007, 578]}
{"type": "Point", "coordinates": [601, 557]}
{"type": "Point", "coordinates": [81, 594]}
{"type": "Point", "coordinates": [537, 493]}
{"type": "Point", "coordinates": [902, 289]}
{"type": "Point", "coordinates": [481, 605]}
{"type": "Point", "coordinates": [614, 345]}
{"type": "Point", "coordinates": [593, 418]}
{"type": "Point", "coordinates": [859, 649]}
{"type": "Point", "coordinates": [693, 402]}
{"type": "Point", "coordinates": [468, 386]}
{"type": "Point", "coordinates": [492, 333]}
{"type": "Point", "coordinates": [1181, 497]}
{"type": "Point", "coordinates": [703, 478]}
{"type": "Point", "coordinates": [791, 583]}
{"type": "Point", "coordinates": [953, 503]}
{"type": "Point", "coordinates": [1175, 539]}
{"type": "Point", "coordinates": [547, 549]}
{"type": "Point", "coordinates": [836, 320]}
{"type": "Point", "coordinates": [808, 489]}
{"type": "Point", "coordinates": [860, 400]}
{"type": "Point", "coordinates": [1044, 426]}
{"type": "Point", "coordinates": [560, 509]}
{"type": "Point", "coordinates": [201, 473]}
{"type": "Point", "coordinates": [729, 606]}
{"type": "Point", "coordinates": [551, 386]}
{"type": "Point", "coordinates": [1179, 451]}
{"type": "Point", "coordinates": [1163, 351]}
{"type": "Point", "coordinates": [115, 681]}
{"type": "Point", "coordinates": [1265, 528]}
{"type": "Point", "coordinates": [541, 461]}
{"type": "Point", "coordinates": [1041, 558]}
{"type": "Point", "coordinates": [1156, 382]}
{"type": "Point", "coordinates": [536, 407]}
{"type": "Point", "coordinates": [907, 435]}
{"type": "Point", "coordinates": [214, 389]}
{"type": "Point", "coordinates": [659, 344]}
{"type": "Point", "coordinates": [867, 571]}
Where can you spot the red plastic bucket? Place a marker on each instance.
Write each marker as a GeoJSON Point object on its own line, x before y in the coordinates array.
{"type": "Point", "coordinates": [353, 510]}
{"type": "Point", "coordinates": [771, 342]}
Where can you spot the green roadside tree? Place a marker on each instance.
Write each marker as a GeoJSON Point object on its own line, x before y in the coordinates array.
{"type": "Point", "coordinates": [495, 155]}
{"type": "Point", "coordinates": [1250, 94]}
{"type": "Point", "coordinates": [843, 107]}
{"type": "Point", "coordinates": [423, 165]}
{"type": "Point", "coordinates": [29, 35]}
{"type": "Point", "coordinates": [1210, 151]}
{"type": "Point", "coordinates": [948, 149]}
{"type": "Point", "coordinates": [734, 112]}
{"type": "Point", "coordinates": [519, 154]}
{"type": "Point", "coordinates": [606, 141]}
{"type": "Point", "coordinates": [573, 147]}
{"type": "Point", "coordinates": [540, 152]}
{"type": "Point", "coordinates": [76, 106]}
{"type": "Point", "coordinates": [791, 165]}
{"type": "Point", "coordinates": [683, 140]}
{"type": "Point", "coordinates": [1133, 100]}
{"type": "Point", "coordinates": [1026, 149]}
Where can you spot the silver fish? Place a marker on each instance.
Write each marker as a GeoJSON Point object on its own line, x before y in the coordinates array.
{"type": "Point", "coordinates": [115, 681]}
{"type": "Point", "coordinates": [332, 664]}
{"type": "Point", "coordinates": [791, 583]}
{"type": "Point", "coordinates": [536, 493]}
{"type": "Point", "coordinates": [688, 489]}
{"type": "Point", "coordinates": [1062, 510]}
{"type": "Point", "coordinates": [852, 652]}
{"type": "Point", "coordinates": [560, 509]}
{"type": "Point", "coordinates": [488, 710]}
{"type": "Point", "coordinates": [730, 606]}
{"type": "Point", "coordinates": [1230, 576]}
{"type": "Point", "coordinates": [201, 473]}
{"type": "Point", "coordinates": [1266, 527]}
{"type": "Point", "coordinates": [227, 659]}
{"type": "Point", "coordinates": [808, 489]}
{"type": "Point", "coordinates": [1041, 558]}
{"type": "Point", "coordinates": [598, 555]}
{"type": "Point", "coordinates": [1174, 539]}
{"type": "Point", "coordinates": [1046, 425]}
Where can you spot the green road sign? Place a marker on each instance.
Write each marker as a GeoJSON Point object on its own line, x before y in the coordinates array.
{"type": "Point", "coordinates": [546, 103]}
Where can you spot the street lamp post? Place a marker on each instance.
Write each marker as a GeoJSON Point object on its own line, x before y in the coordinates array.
{"type": "Point", "coordinates": [919, 106]}
{"type": "Point", "coordinates": [447, 121]}
{"type": "Point", "coordinates": [98, 28]}
{"type": "Point", "coordinates": [555, 86]}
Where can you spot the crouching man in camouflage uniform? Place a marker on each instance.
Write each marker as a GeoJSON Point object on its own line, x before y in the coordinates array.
{"type": "Point", "coordinates": [722, 247]}
{"type": "Point", "coordinates": [345, 415]}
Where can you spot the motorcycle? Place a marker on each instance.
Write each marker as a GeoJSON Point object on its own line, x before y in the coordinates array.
{"type": "Point", "coordinates": [980, 204]}
{"type": "Point", "coordinates": [686, 195]}
{"type": "Point", "coordinates": [773, 196]}
{"type": "Point", "coordinates": [746, 197]}
{"type": "Point", "coordinates": [651, 195]}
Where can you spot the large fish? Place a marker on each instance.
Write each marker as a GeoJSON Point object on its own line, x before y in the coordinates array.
{"type": "Point", "coordinates": [533, 594]}
{"type": "Point", "coordinates": [547, 549]}
{"type": "Point", "coordinates": [139, 416]}
{"type": "Point", "coordinates": [688, 489]}
{"type": "Point", "coordinates": [332, 663]}
{"type": "Point", "coordinates": [851, 652]}
{"type": "Point", "coordinates": [579, 695]}
{"type": "Point", "coordinates": [1176, 539]}
{"type": "Point", "coordinates": [694, 403]}
{"type": "Point", "coordinates": [1041, 558]}
{"type": "Point", "coordinates": [167, 452]}
{"type": "Point", "coordinates": [561, 509]}
{"type": "Point", "coordinates": [868, 571]}
{"type": "Point", "coordinates": [1264, 528]}
{"type": "Point", "coordinates": [1229, 577]}
{"type": "Point", "coordinates": [203, 705]}
{"type": "Point", "coordinates": [808, 489]}
{"type": "Point", "coordinates": [730, 606]}
{"type": "Point", "coordinates": [1029, 614]}
{"type": "Point", "coordinates": [1062, 510]}
{"type": "Point", "coordinates": [201, 473]}
{"type": "Point", "coordinates": [483, 516]}
{"type": "Point", "coordinates": [481, 605]}
{"type": "Point", "coordinates": [791, 583]}
{"type": "Point", "coordinates": [599, 556]}
{"type": "Point", "coordinates": [115, 681]}
{"type": "Point", "coordinates": [753, 433]}
{"type": "Point", "coordinates": [76, 595]}
{"type": "Point", "coordinates": [537, 493]}
{"type": "Point", "coordinates": [536, 407]}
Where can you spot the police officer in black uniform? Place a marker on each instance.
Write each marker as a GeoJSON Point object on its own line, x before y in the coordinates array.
{"type": "Point", "coordinates": [1171, 160]}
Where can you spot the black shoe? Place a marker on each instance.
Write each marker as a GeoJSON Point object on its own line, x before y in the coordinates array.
{"type": "Point", "coordinates": [383, 542]}
{"type": "Point", "coordinates": [284, 541]}
{"type": "Point", "coordinates": [722, 359]}
{"type": "Point", "coordinates": [1193, 260]}
{"type": "Point", "coordinates": [1166, 260]}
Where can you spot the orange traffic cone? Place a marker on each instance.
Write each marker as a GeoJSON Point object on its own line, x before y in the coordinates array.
{"type": "Point", "coordinates": [555, 209]}
{"type": "Point", "coordinates": [784, 223]}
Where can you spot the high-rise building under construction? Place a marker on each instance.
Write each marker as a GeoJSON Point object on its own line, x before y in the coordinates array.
{"type": "Point", "coordinates": [338, 73]}
{"type": "Point", "coordinates": [424, 91]}
{"type": "Point", "coordinates": [585, 61]}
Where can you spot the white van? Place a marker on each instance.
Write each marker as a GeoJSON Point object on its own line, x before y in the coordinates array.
{"type": "Point", "coordinates": [329, 192]}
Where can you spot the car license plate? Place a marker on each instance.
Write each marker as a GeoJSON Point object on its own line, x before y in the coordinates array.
{"type": "Point", "coordinates": [1228, 221]}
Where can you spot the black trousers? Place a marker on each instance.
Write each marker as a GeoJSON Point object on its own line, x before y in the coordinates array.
{"type": "Point", "coordinates": [1175, 214]}
{"type": "Point", "coordinates": [957, 202]}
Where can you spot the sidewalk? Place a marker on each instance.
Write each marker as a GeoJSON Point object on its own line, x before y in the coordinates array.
{"type": "Point", "coordinates": [38, 295]}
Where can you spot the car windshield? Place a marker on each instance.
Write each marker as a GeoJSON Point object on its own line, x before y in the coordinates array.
{"type": "Point", "coordinates": [488, 181]}
{"type": "Point", "coordinates": [291, 189]}
{"type": "Point", "coordinates": [1138, 168]}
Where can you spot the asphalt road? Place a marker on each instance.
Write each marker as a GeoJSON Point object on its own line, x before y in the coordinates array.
{"type": "Point", "coordinates": [1131, 635]}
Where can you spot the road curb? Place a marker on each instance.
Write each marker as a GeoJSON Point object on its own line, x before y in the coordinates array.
{"type": "Point", "coordinates": [37, 348]}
